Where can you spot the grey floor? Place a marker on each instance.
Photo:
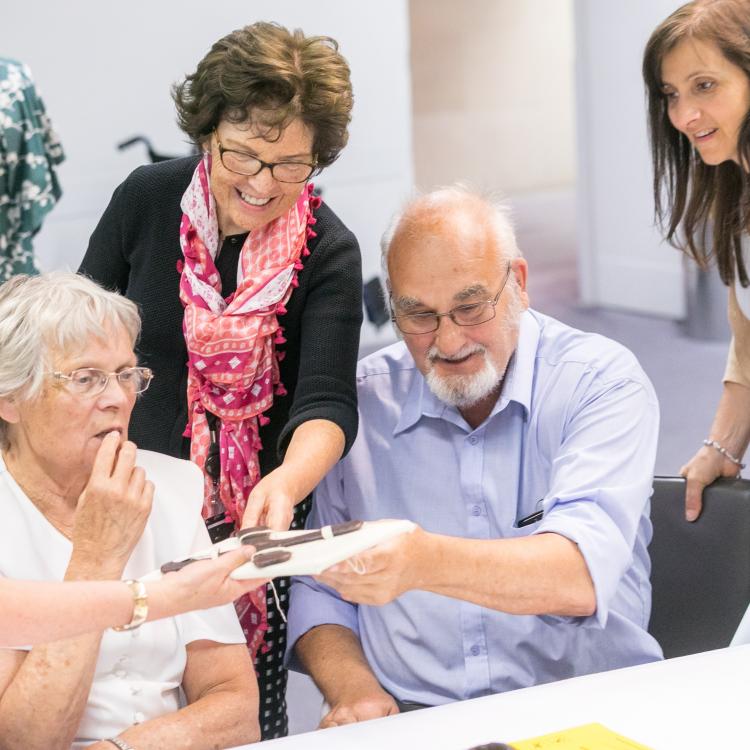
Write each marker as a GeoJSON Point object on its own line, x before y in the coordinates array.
{"type": "Point", "coordinates": [686, 372]}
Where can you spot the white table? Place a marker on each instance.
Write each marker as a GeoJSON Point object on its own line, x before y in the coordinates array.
{"type": "Point", "coordinates": [698, 702]}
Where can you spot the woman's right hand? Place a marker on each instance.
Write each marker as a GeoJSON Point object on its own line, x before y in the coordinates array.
{"type": "Point", "coordinates": [702, 469]}
{"type": "Point", "coordinates": [112, 510]}
{"type": "Point", "coordinates": [202, 584]}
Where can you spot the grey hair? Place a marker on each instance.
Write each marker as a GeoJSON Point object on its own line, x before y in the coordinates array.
{"type": "Point", "coordinates": [52, 314]}
{"type": "Point", "coordinates": [436, 204]}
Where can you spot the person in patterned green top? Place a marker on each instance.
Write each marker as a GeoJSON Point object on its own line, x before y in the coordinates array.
{"type": "Point", "coordinates": [29, 151]}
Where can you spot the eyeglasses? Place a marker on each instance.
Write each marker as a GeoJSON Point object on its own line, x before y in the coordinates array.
{"type": "Point", "coordinates": [246, 164]}
{"type": "Point", "coordinates": [462, 315]}
{"type": "Point", "coordinates": [88, 381]}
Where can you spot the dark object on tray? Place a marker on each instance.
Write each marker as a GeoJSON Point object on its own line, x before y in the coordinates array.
{"type": "Point", "coordinates": [154, 156]}
{"type": "Point", "coordinates": [270, 551]}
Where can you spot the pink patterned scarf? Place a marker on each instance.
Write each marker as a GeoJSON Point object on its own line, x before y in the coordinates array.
{"type": "Point", "coordinates": [233, 369]}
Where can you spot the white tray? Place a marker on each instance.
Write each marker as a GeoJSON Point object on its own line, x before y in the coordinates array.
{"type": "Point", "coordinates": [309, 558]}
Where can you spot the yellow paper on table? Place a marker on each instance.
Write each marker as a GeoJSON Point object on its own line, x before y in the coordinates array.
{"type": "Point", "coordinates": [586, 737]}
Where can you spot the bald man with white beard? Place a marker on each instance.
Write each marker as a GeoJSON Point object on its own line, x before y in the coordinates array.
{"type": "Point", "coordinates": [523, 450]}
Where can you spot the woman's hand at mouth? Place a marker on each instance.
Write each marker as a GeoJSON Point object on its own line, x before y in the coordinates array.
{"type": "Point", "coordinates": [112, 511]}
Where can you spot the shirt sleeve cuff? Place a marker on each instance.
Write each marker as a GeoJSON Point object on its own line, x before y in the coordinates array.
{"type": "Point", "coordinates": [312, 604]}
{"type": "Point", "coordinates": [604, 550]}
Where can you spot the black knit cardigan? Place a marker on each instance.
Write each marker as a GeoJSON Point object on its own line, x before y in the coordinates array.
{"type": "Point", "coordinates": [135, 250]}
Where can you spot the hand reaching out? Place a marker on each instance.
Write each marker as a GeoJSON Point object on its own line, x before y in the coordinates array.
{"type": "Point", "coordinates": [202, 585]}
{"type": "Point", "coordinates": [271, 502]}
{"type": "Point", "coordinates": [380, 574]}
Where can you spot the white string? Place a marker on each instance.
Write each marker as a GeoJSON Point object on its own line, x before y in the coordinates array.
{"type": "Point", "coordinates": [276, 599]}
{"type": "Point", "coordinates": [357, 565]}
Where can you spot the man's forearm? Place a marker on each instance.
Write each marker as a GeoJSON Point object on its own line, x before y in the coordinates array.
{"type": "Point", "coordinates": [540, 574]}
{"type": "Point", "coordinates": [332, 655]}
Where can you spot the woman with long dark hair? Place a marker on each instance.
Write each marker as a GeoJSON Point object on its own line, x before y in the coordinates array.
{"type": "Point", "coordinates": [696, 67]}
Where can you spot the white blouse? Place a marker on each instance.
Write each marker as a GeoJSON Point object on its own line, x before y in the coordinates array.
{"type": "Point", "coordinates": [138, 673]}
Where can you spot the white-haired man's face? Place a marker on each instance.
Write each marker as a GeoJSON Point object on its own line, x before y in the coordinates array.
{"type": "Point", "coordinates": [458, 268]}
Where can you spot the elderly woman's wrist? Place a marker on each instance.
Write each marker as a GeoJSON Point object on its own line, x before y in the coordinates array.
{"type": "Point", "coordinates": [82, 568]}
{"type": "Point", "coordinates": [168, 597]}
{"type": "Point", "coordinates": [118, 742]}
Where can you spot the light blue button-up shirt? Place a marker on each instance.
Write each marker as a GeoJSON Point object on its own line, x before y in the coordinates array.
{"type": "Point", "coordinates": [573, 434]}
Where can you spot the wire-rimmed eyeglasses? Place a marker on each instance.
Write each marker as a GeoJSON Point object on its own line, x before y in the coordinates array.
{"type": "Point", "coordinates": [462, 315]}
{"type": "Point", "coordinates": [89, 381]}
{"type": "Point", "coordinates": [240, 162]}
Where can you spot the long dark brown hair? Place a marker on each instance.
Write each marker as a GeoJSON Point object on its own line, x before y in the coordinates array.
{"type": "Point", "coordinates": [687, 192]}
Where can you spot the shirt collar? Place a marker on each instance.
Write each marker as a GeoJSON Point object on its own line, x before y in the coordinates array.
{"type": "Point", "coordinates": [519, 377]}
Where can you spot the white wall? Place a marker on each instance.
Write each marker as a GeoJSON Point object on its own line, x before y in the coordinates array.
{"type": "Point", "coordinates": [493, 105]}
{"type": "Point", "coordinates": [623, 261]}
{"type": "Point", "coordinates": [105, 70]}
{"type": "Point", "coordinates": [493, 93]}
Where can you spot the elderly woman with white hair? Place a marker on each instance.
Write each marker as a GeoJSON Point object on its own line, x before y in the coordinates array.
{"type": "Point", "coordinates": [81, 503]}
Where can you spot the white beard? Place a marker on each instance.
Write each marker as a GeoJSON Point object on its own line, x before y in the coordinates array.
{"type": "Point", "coordinates": [463, 391]}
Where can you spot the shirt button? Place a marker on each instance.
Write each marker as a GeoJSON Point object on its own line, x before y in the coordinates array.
{"type": "Point", "coordinates": [135, 690]}
{"type": "Point", "coordinates": [475, 650]}
{"type": "Point", "coordinates": [476, 510]}
{"type": "Point", "coordinates": [473, 440]}
{"type": "Point", "coordinates": [138, 717]}
{"type": "Point", "coordinates": [121, 674]}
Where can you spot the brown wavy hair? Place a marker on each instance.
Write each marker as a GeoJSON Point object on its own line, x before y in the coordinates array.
{"type": "Point", "coordinates": [268, 75]}
{"type": "Point", "coordinates": [687, 192]}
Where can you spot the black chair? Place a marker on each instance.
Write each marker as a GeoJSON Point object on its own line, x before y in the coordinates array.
{"type": "Point", "coordinates": [700, 572]}
{"type": "Point", "coordinates": [154, 156]}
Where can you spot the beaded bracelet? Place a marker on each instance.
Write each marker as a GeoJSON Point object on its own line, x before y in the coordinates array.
{"type": "Point", "coordinates": [724, 452]}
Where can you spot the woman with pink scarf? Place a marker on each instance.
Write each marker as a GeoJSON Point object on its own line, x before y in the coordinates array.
{"type": "Point", "coordinates": [250, 293]}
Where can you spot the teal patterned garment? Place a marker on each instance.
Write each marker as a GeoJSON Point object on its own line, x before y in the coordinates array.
{"type": "Point", "coordinates": [29, 151]}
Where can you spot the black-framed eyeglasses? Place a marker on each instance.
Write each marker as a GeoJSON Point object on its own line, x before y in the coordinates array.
{"type": "Point", "coordinates": [240, 162]}
{"type": "Point", "coordinates": [89, 381]}
{"type": "Point", "coordinates": [462, 315]}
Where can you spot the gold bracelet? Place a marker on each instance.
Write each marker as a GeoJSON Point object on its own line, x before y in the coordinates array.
{"type": "Point", "coordinates": [119, 743]}
{"type": "Point", "coordinates": [140, 606]}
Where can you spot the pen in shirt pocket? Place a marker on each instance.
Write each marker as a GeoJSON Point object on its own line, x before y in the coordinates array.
{"type": "Point", "coordinates": [528, 520]}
